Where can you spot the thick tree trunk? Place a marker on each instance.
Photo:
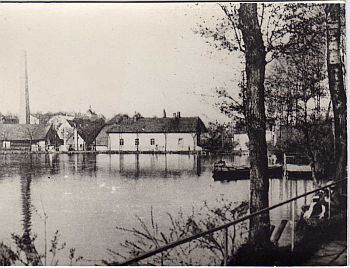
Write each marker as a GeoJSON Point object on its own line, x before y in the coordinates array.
{"type": "Point", "coordinates": [336, 87]}
{"type": "Point", "coordinates": [255, 121]}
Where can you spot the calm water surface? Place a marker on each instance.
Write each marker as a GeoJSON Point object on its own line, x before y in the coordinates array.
{"type": "Point", "coordinates": [86, 196]}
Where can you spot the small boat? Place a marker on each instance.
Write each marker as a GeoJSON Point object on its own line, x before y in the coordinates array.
{"type": "Point", "coordinates": [222, 171]}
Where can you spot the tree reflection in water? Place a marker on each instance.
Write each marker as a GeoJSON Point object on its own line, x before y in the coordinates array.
{"type": "Point", "coordinates": [26, 241]}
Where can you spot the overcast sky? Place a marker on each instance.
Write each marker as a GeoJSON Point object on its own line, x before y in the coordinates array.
{"type": "Point", "coordinates": [118, 58]}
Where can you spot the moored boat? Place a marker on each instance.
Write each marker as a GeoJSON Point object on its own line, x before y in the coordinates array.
{"type": "Point", "coordinates": [222, 171]}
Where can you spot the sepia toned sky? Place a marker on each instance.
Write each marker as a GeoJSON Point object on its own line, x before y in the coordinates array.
{"type": "Point", "coordinates": [118, 58]}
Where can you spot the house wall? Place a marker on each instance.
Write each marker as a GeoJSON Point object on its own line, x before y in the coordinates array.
{"type": "Point", "coordinates": [41, 144]}
{"type": "Point", "coordinates": [58, 120]}
{"type": "Point", "coordinates": [242, 140]}
{"type": "Point", "coordinates": [101, 148]}
{"type": "Point", "coordinates": [6, 145]}
{"type": "Point", "coordinates": [34, 120]}
{"type": "Point", "coordinates": [271, 137]}
{"type": "Point", "coordinates": [19, 145]}
{"type": "Point", "coordinates": [52, 138]}
{"type": "Point", "coordinates": [24, 145]}
{"type": "Point", "coordinates": [64, 130]}
{"type": "Point", "coordinates": [71, 143]}
{"type": "Point", "coordinates": [101, 140]}
{"type": "Point", "coordinates": [38, 144]}
{"type": "Point", "coordinates": [162, 142]}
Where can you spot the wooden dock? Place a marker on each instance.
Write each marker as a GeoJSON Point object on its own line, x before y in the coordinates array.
{"type": "Point", "coordinates": [298, 168]}
{"type": "Point", "coordinates": [294, 171]}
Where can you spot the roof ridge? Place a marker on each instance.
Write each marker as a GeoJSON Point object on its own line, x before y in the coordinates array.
{"type": "Point", "coordinates": [158, 125]}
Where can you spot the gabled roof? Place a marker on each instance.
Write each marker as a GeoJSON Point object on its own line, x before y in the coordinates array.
{"type": "Point", "coordinates": [160, 125]}
{"type": "Point", "coordinates": [23, 132]}
{"type": "Point", "coordinates": [102, 137]}
{"type": "Point", "coordinates": [87, 128]}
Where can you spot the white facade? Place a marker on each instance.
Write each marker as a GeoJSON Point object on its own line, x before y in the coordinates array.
{"type": "Point", "coordinates": [34, 120]}
{"type": "Point", "coordinates": [68, 133]}
{"type": "Point", "coordinates": [271, 137]}
{"type": "Point", "coordinates": [242, 140]}
{"type": "Point", "coordinates": [74, 142]}
{"type": "Point", "coordinates": [64, 131]}
{"type": "Point", "coordinates": [61, 125]}
{"type": "Point", "coordinates": [6, 144]}
{"type": "Point", "coordinates": [38, 146]}
{"type": "Point", "coordinates": [101, 148]}
{"type": "Point", "coordinates": [170, 142]}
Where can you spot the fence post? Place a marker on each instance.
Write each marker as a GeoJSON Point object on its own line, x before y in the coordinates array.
{"type": "Point", "coordinates": [285, 165]}
{"type": "Point", "coordinates": [293, 227]}
{"type": "Point", "coordinates": [225, 246]}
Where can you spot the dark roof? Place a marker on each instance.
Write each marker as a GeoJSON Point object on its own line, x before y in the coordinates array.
{"type": "Point", "coordinates": [118, 118]}
{"type": "Point", "coordinates": [8, 119]}
{"type": "Point", "coordinates": [87, 128]}
{"type": "Point", "coordinates": [13, 132]}
{"type": "Point", "coordinates": [160, 125]}
{"type": "Point", "coordinates": [102, 137]}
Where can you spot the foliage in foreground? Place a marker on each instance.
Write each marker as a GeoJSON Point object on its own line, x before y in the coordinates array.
{"type": "Point", "coordinates": [26, 254]}
{"type": "Point", "coordinates": [207, 250]}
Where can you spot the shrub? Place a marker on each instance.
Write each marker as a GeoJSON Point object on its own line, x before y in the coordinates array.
{"type": "Point", "coordinates": [208, 250]}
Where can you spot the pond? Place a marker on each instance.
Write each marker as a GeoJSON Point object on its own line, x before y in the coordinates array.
{"type": "Point", "coordinates": [85, 196]}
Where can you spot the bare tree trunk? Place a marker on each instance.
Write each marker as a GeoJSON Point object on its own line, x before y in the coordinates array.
{"type": "Point", "coordinates": [256, 122]}
{"type": "Point", "coordinates": [336, 87]}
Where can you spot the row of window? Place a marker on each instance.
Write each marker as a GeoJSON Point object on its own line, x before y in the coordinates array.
{"type": "Point", "coordinates": [152, 141]}
{"type": "Point", "coordinates": [137, 141]}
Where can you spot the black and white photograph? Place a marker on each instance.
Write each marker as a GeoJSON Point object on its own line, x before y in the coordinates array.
{"type": "Point", "coordinates": [173, 133]}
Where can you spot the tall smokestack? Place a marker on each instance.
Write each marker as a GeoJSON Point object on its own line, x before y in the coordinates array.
{"type": "Point", "coordinates": [24, 116]}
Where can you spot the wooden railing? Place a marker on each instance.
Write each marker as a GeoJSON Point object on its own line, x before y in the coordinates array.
{"type": "Point", "coordinates": [225, 227]}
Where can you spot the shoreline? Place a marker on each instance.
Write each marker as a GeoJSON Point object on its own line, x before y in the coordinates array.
{"type": "Point", "coordinates": [100, 152]}
{"type": "Point", "coordinates": [10, 152]}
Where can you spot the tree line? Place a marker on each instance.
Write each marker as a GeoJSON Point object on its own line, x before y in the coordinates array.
{"type": "Point", "coordinates": [293, 56]}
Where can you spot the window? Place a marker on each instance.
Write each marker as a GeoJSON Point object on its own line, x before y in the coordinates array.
{"type": "Point", "coordinates": [137, 141]}
{"type": "Point", "coordinates": [6, 144]}
{"type": "Point", "coordinates": [121, 141]}
{"type": "Point", "coordinates": [152, 141]}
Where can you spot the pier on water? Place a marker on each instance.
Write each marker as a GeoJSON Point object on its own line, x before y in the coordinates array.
{"type": "Point", "coordinates": [296, 167]}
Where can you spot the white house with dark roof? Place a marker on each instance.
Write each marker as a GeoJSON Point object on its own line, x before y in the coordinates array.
{"type": "Point", "coordinates": [177, 134]}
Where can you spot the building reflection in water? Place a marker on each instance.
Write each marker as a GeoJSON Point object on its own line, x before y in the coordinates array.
{"type": "Point", "coordinates": [52, 162]}
{"type": "Point", "coordinates": [79, 163]}
{"type": "Point", "coordinates": [155, 166]}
